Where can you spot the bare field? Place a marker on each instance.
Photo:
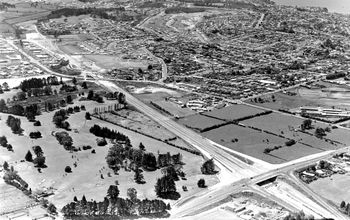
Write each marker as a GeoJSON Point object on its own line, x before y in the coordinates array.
{"type": "Point", "coordinates": [234, 112]}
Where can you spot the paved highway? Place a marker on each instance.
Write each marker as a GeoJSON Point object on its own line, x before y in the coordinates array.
{"type": "Point", "coordinates": [236, 169]}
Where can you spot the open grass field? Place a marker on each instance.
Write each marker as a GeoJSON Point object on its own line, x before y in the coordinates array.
{"type": "Point", "coordinates": [253, 143]}
{"type": "Point", "coordinates": [289, 126]}
{"type": "Point", "coordinates": [139, 122]}
{"type": "Point", "coordinates": [334, 189]}
{"type": "Point", "coordinates": [86, 177]}
{"type": "Point", "coordinates": [233, 112]}
{"type": "Point", "coordinates": [199, 122]}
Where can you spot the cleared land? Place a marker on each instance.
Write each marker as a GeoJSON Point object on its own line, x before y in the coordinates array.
{"type": "Point", "coordinates": [234, 112]}
{"type": "Point", "coordinates": [199, 122]}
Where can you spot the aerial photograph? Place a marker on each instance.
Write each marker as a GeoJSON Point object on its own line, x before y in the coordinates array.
{"type": "Point", "coordinates": [175, 109]}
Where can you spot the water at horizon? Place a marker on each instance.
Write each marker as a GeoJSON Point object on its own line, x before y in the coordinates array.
{"type": "Point", "coordinates": [339, 6]}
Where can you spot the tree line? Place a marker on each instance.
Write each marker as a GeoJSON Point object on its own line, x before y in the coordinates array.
{"type": "Point", "coordinates": [114, 206]}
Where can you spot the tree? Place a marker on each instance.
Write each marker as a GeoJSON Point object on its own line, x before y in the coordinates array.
{"type": "Point", "coordinates": [165, 188]}
{"type": "Point", "coordinates": [21, 96]}
{"type": "Point", "coordinates": [3, 141]}
{"type": "Point", "coordinates": [342, 204]}
{"type": "Point", "coordinates": [138, 177]}
{"type": "Point", "coordinates": [69, 99]}
{"type": "Point", "coordinates": [29, 156]}
{"type": "Point", "coordinates": [38, 151]}
{"type": "Point", "coordinates": [68, 169]}
{"type": "Point", "coordinates": [39, 162]}
{"type": "Point", "coordinates": [52, 208]}
{"type": "Point", "coordinates": [149, 162]}
{"type": "Point", "coordinates": [6, 86]}
{"type": "Point", "coordinates": [170, 172]}
{"type": "Point", "coordinates": [74, 80]}
{"type": "Point", "coordinates": [83, 200]}
{"type": "Point", "coordinates": [90, 95]}
{"type": "Point", "coordinates": [113, 192]}
{"type": "Point", "coordinates": [9, 147]}
{"type": "Point", "coordinates": [306, 125]}
{"type": "Point", "coordinates": [208, 167]}
{"type": "Point", "coordinates": [141, 146]}
{"type": "Point", "coordinates": [6, 165]}
{"type": "Point", "coordinates": [320, 132]}
{"type": "Point", "coordinates": [3, 106]}
{"type": "Point", "coordinates": [87, 116]}
{"type": "Point", "coordinates": [75, 199]}
{"type": "Point", "coordinates": [132, 194]}
{"type": "Point", "coordinates": [201, 183]}
{"type": "Point", "coordinates": [84, 85]}
{"type": "Point", "coordinates": [37, 123]}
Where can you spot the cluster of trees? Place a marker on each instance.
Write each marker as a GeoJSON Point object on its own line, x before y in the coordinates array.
{"type": "Point", "coordinates": [320, 132]}
{"type": "Point", "coordinates": [300, 216]}
{"type": "Point", "coordinates": [114, 206]}
{"type": "Point", "coordinates": [119, 155]}
{"type": "Point", "coordinates": [4, 143]}
{"type": "Point", "coordinates": [269, 150]}
{"type": "Point", "coordinates": [5, 5]}
{"type": "Point", "coordinates": [100, 12]}
{"type": "Point", "coordinates": [14, 124]}
{"type": "Point", "coordinates": [336, 75]}
{"type": "Point", "coordinates": [11, 177]}
{"type": "Point", "coordinates": [176, 10]}
{"type": "Point", "coordinates": [165, 186]}
{"type": "Point", "coordinates": [65, 140]}
{"type": "Point", "coordinates": [201, 183]}
{"type": "Point", "coordinates": [35, 134]}
{"type": "Point", "coordinates": [59, 119]}
{"type": "Point", "coordinates": [208, 167]}
{"type": "Point", "coordinates": [108, 133]}
{"type": "Point", "coordinates": [61, 115]}
{"type": "Point", "coordinates": [345, 208]}
{"type": "Point", "coordinates": [39, 160]}
{"type": "Point", "coordinates": [306, 125]}
{"type": "Point", "coordinates": [29, 84]}
{"type": "Point", "coordinates": [95, 97]}
{"type": "Point", "coordinates": [290, 142]}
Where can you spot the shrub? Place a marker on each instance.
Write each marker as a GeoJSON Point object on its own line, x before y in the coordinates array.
{"type": "Point", "coordinates": [68, 169]}
{"type": "Point", "coordinates": [37, 123]}
{"type": "Point", "coordinates": [201, 183]}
